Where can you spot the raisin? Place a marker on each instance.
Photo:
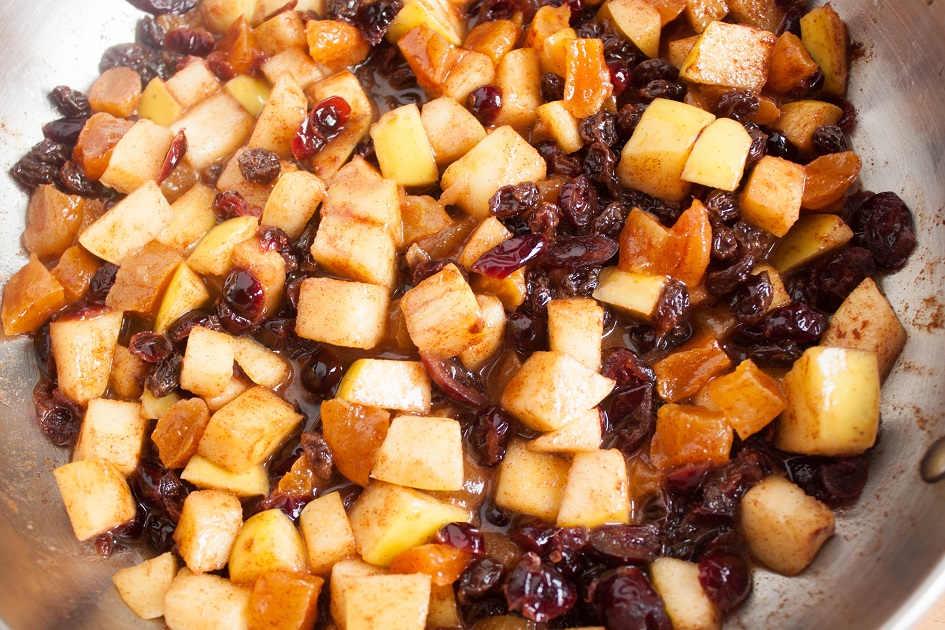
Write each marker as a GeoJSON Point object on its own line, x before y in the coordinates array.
{"type": "Point", "coordinates": [578, 202]}
{"type": "Point", "coordinates": [190, 41]}
{"type": "Point", "coordinates": [75, 181]}
{"type": "Point", "coordinates": [829, 139]}
{"type": "Point", "coordinates": [672, 307]}
{"type": "Point", "coordinates": [58, 418]}
{"type": "Point", "coordinates": [538, 590]}
{"type": "Point", "coordinates": [147, 62]}
{"type": "Point", "coordinates": [526, 332]}
{"type": "Point", "coordinates": [544, 220]}
{"type": "Point", "coordinates": [259, 166]}
{"type": "Point", "coordinates": [490, 436]}
{"type": "Point", "coordinates": [654, 70]}
{"type": "Point", "coordinates": [552, 87]}
{"type": "Point", "coordinates": [628, 117]}
{"type": "Point", "coordinates": [834, 278]}
{"type": "Point", "coordinates": [758, 148]}
{"type": "Point", "coordinates": [778, 145]}
{"type": "Point", "coordinates": [661, 88]}
{"type": "Point", "coordinates": [478, 580]}
{"type": "Point", "coordinates": [625, 599]}
{"type": "Point", "coordinates": [343, 10]}
{"type": "Point", "coordinates": [600, 164]}
{"type": "Point", "coordinates": [101, 283]}
{"type": "Point", "coordinates": [32, 173]}
{"type": "Point", "coordinates": [318, 453]}
{"type": "Point", "coordinates": [458, 383]}
{"type": "Point", "coordinates": [150, 347]}
{"type": "Point", "coordinates": [741, 105]}
{"type": "Point", "coordinates": [373, 19]}
{"type": "Point", "coordinates": [149, 32]}
{"type": "Point", "coordinates": [70, 102]}
{"type": "Point", "coordinates": [610, 221]}
{"type": "Point", "coordinates": [618, 545]}
{"type": "Point", "coordinates": [510, 255]}
{"type": "Point", "coordinates": [513, 200]}
{"type": "Point", "coordinates": [164, 378]}
{"type": "Point", "coordinates": [230, 204]}
{"type": "Point", "coordinates": [65, 130]}
{"type": "Point", "coordinates": [798, 323]}
{"type": "Point", "coordinates": [752, 299]}
{"type": "Point", "coordinates": [162, 7]}
{"type": "Point", "coordinates": [883, 224]}
{"type": "Point", "coordinates": [724, 243]}
{"type": "Point", "coordinates": [722, 206]}
{"type": "Point", "coordinates": [575, 252]}
{"type": "Point", "coordinates": [601, 127]}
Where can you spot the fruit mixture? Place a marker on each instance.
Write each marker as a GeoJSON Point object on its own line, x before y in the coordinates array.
{"type": "Point", "coordinates": [414, 314]}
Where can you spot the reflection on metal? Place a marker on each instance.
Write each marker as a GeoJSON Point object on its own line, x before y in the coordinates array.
{"type": "Point", "coordinates": [932, 467]}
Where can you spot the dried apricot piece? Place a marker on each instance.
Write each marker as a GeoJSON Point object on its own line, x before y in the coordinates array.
{"type": "Point", "coordinates": [587, 82]}
{"type": "Point", "coordinates": [827, 179]}
{"type": "Point", "coordinates": [441, 562]}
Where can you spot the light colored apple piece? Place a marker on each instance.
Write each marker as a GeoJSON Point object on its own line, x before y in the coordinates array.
{"type": "Point", "coordinates": [83, 349]}
{"type": "Point", "coordinates": [208, 362]}
{"type": "Point", "coordinates": [193, 218]}
{"type": "Point", "coordinates": [129, 225]}
{"type": "Point", "coordinates": [518, 75]}
{"type": "Point", "coordinates": [205, 602]}
{"type": "Point", "coordinates": [153, 408]}
{"type": "Point", "coordinates": [285, 601]}
{"type": "Point", "coordinates": [96, 497]}
{"type": "Point", "coordinates": [790, 66]}
{"type": "Point", "coordinates": [157, 104]}
{"type": "Point", "coordinates": [687, 434]}
{"type": "Point", "coordinates": [192, 84]}
{"type": "Point", "coordinates": [442, 314]}
{"type": "Point", "coordinates": [718, 156]}
{"type": "Point", "coordinates": [293, 201]}
{"type": "Point", "coordinates": [634, 293]}
{"type": "Point", "coordinates": [784, 527]}
{"type": "Point", "coordinates": [531, 482]}
{"type": "Point", "coordinates": [234, 388]}
{"type": "Point", "coordinates": [567, 388]}
{"type": "Point", "coordinates": [583, 434]}
{"type": "Point", "coordinates": [388, 384]}
{"type": "Point", "coordinates": [388, 519]}
{"type": "Point", "coordinates": [138, 156]}
{"type": "Point", "coordinates": [749, 398]}
{"type": "Point", "coordinates": [327, 533]}
{"type": "Point", "coordinates": [250, 92]}
{"type": "Point", "coordinates": [113, 431]}
{"type": "Point", "coordinates": [280, 118]}
{"type": "Point", "coordinates": [576, 326]}
{"type": "Point", "coordinates": [207, 529]}
{"type": "Point", "coordinates": [678, 50]}
{"type": "Point", "coordinates": [422, 452]}
{"type": "Point", "coordinates": [811, 237]}
{"type": "Point", "coordinates": [799, 120]}
{"type": "Point", "coordinates": [438, 15]}
{"type": "Point", "coordinates": [703, 13]}
{"type": "Point", "coordinates": [246, 431]}
{"type": "Point", "coordinates": [403, 151]}
{"type": "Point", "coordinates": [511, 290]}
{"type": "Point", "coordinates": [356, 250]}
{"type": "Point", "coordinates": [142, 278]}
{"type": "Point", "coordinates": [825, 36]}
{"type": "Point", "coordinates": [683, 371]}
{"type": "Point", "coordinates": [501, 159]}
{"type": "Point", "coordinates": [596, 491]}
{"type": "Point", "coordinates": [218, 15]}
{"type": "Point", "coordinates": [833, 403]}
{"type": "Point", "coordinates": [203, 473]}
{"type": "Point", "coordinates": [493, 38]}
{"type": "Point", "coordinates": [372, 200]}
{"type": "Point", "coordinates": [294, 62]}
{"type": "Point", "coordinates": [637, 20]}
{"type": "Point", "coordinates": [556, 123]}
{"type": "Point", "coordinates": [214, 129]}
{"type": "Point", "coordinates": [492, 335]}
{"type": "Point", "coordinates": [343, 575]}
{"type": "Point", "coordinates": [185, 292]}
{"type": "Point", "coordinates": [267, 542]}
{"type": "Point", "coordinates": [654, 158]}
{"type": "Point", "coordinates": [30, 296]}
{"type": "Point", "coordinates": [553, 54]}
{"type": "Point", "coordinates": [232, 179]}
{"type": "Point", "coordinates": [547, 21]}
{"type": "Point", "coordinates": [772, 197]}
{"type": "Point", "coordinates": [387, 601]}
{"type": "Point", "coordinates": [347, 314]}
{"type": "Point", "coordinates": [214, 251]}
{"type": "Point", "coordinates": [265, 8]}
{"type": "Point", "coordinates": [451, 130]}
{"type": "Point", "coordinates": [489, 233]}
{"type": "Point", "coordinates": [142, 586]}
{"type": "Point", "coordinates": [730, 55]}
{"type": "Point", "coordinates": [262, 365]}
{"type": "Point", "coordinates": [336, 153]}
{"type": "Point", "coordinates": [126, 382]}
{"type": "Point", "coordinates": [280, 32]}
{"type": "Point", "coordinates": [688, 606]}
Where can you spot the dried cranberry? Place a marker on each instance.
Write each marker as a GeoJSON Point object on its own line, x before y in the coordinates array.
{"type": "Point", "coordinates": [578, 202]}
{"type": "Point", "coordinates": [180, 329]}
{"type": "Point", "coordinates": [70, 102]}
{"type": "Point", "coordinates": [318, 453]}
{"type": "Point", "coordinates": [532, 534]}
{"type": "Point", "coordinates": [244, 294]}
{"type": "Point", "coordinates": [619, 545]}
{"type": "Point", "coordinates": [741, 105]}
{"type": "Point", "coordinates": [259, 166]}
{"type": "Point", "coordinates": [510, 255]}
{"type": "Point", "coordinates": [190, 41]}
{"type": "Point", "coordinates": [150, 347]}
{"type": "Point", "coordinates": [175, 153]}
{"type": "Point", "coordinates": [526, 333]}
{"type": "Point", "coordinates": [373, 19]}
{"type": "Point", "coordinates": [566, 549]}
{"type": "Point", "coordinates": [514, 199]}
{"type": "Point", "coordinates": [326, 120]}
{"type": "Point", "coordinates": [343, 10]}
{"type": "Point", "coordinates": [58, 418]}
{"type": "Point", "coordinates": [478, 580]}
{"type": "Point", "coordinates": [883, 224]}
{"type": "Point", "coordinates": [458, 383]}
{"type": "Point", "coordinates": [654, 70]}
{"type": "Point", "coordinates": [838, 482]}
{"type": "Point", "coordinates": [601, 127]}
{"type": "Point", "coordinates": [321, 372]}
{"type": "Point", "coordinates": [538, 590]}
{"type": "Point", "coordinates": [726, 578]}
{"type": "Point", "coordinates": [164, 377]}
{"type": "Point", "coordinates": [574, 252]}
{"type": "Point", "coordinates": [485, 102]}
{"type": "Point", "coordinates": [795, 322]}
{"type": "Point", "coordinates": [462, 536]}
{"type": "Point", "coordinates": [101, 283]}
{"type": "Point", "coordinates": [672, 307]}
{"type": "Point", "coordinates": [230, 204]}
{"type": "Point", "coordinates": [490, 436]}
{"type": "Point", "coordinates": [162, 7]}
{"type": "Point", "coordinates": [620, 76]}
{"type": "Point", "coordinates": [625, 599]}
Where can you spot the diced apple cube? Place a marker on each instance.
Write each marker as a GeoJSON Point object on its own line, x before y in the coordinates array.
{"type": "Point", "coordinates": [355, 249]}
{"type": "Point", "coordinates": [185, 292]}
{"type": "Point", "coordinates": [772, 197]}
{"type": "Point", "coordinates": [764, 14]}
{"type": "Point", "coordinates": [267, 542]}
{"type": "Point", "coordinates": [502, 158]}
{"type": "Point", "coordinates": [30, 296]}
{"type": "Point", "coordinates": [388, 519]}
{"type": "Point", "coordinates": [687, 604]}
{"type": "Point", "coordinates": [718, 156]}
{"type": "Point", "coordinates": [388, 384]}
{"type": "Point", "coordinates": [784, 527]}
{"type": "Point", "coordinates": [207, 529]}
{"type": "Point", "coordinates": [336, 153]}
{"type": "Point", "coordinates": [576, 327]}
{"type": "Point", "coordinates": [192, 84]}
{"type": "Point", "coordinates": [294, 62]}
{"type": "Point", "coordinates": [403, 151]}
{"type": "Point", "coordinates": [205, 602]}
{"type": "Point", "coordinates": [635, 293]}
{"type": "Point", "coordinates": [444, 611]}
{"type": "Point", "coordinates": [129, 225]}
{"type": "Point", "coordinates": [811, 237]}
{"type": "Point", "coordinates": [208, 362]}
{"type": "Point", "coordinates": [749, 398]}
{"type": "Point", "coordinates": [280, 32]}
{"type": "Point", "coordinates": [253, 93]}
{"type": "Point", "coordinates": [293, 201]}
{"type": "Point", "coordinates": [138, 156]}
{"type": "Point", "coordinates": [203, 473]}
{"type": "Point", "coordinates": [799, 120]}
{"type": "Point", "coordinates": [246, 431]}
{"type": "Point", "coordinates": [555, 122]}
{"type": "Point", "coordinates": [580, 435]}
{"type": "Point", "coordinates": [285, 601]}
{"type": "Point", "coordinates": [597, 490]}
{"type": "Point", "coordinates": [690, 435]}
{"type": "Point", "coordinates": [518, 75]}
{"type": "Point", "coordinates": [438, 15]}
{"type": "Point", "coordinates": [343, 575]}
{"type": "Point", "coordinates": [213, 253]}
{"type": "Point", "coordinates": [825, 36]}
{"type": "Point", "coordinates": [442, 313]}
{"type": "Point", "coordinates": [702, 13]}
{"type": "Point", "coordinates": [690, 366]}
{"type": "Point", "coordinates": [637, 20]}
{"type": "Point", "coordinates": [126, 381]}
{"type": "Point", "coordinates": [387, 601]}
{"type": "Point", "coordinates": [370, 199]}
{"type": "Point", "coordinates": [234, 388]}
{"type": "Point", "coordinates": [83, 349]}
{"type": "Point", "coordinates": [193, 218]}
{"type": "Point", "coordinates": [142, 586]}
{"type": "Point", "coordinates": [142, 278]}
{"type": "Point", "coordinates": [262, 365]}
{"type": "Point", "coordinates": [153, 408]}
{"type": "Point", "coordinates": [493, 332]}
{"type": "Point", "coordinates": [327, 533]}
{"type": "Point", "coordinates": [422, 452]}
{"type": "Point", "coordinates": [112, 431]}
{"type": "Point", "coordinates": [530, 482]}
{"type": "Point", "coordinates": [654, 158]}
{"type": "Point", "coordinates": [832, 403]}
{"type": "Point", "coordinates": [280, 118]}
{"type": "Point", "coordinates": [347, 314]}
{"type": "Point", "coordinates": [452, 131]}
{"type": "Point", "coordinates": [96, 496]}
{"type": "Point", "coordinates": [157, 104]}
{"type": "Point", "coordinates": [730, 55]}
{"type": "Point", "coordinates": [214, 129]}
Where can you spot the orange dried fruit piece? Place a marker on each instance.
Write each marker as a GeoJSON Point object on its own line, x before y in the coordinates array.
{"type": "Point", "coordinates": [686, 434]}
{"type": "Point", "coordinates": [281, 600]}
{"type": "Point", "coordinates": [98, 138]}
{"type": "Point", "coordinates": [116, 92]}
{"type": "Point", "coordinates": [336, 44]}
{"type": "Point", "coordinates": [828, 178]}
{"type": "Point", "coordinates": [587, 80]}
{"type": "Point", "coordinates": [179, 430]}
{"type": "Point", "coordinates": [492, 39]}
{"type": "Point", "coordinates": [442, 563]}
{"type": "Point", "coordinates": [299, 481]}
{"type": "Point", "coordinates": [354, 433]}
{"type": "Point", "coordinates": [240, 48]}
{"type": "Point", "coordinates": [74, 272]}
{"type": "Point", "coordinates": [681, 252]}
{"type": "Point", "coordinates": [53, 220]}
{"type": "Point", "coordinates": [749, 398]}
{"type": "Point", "coordinates": [684, 371]}
{"type": "Point", "coordinates": [29, 298]}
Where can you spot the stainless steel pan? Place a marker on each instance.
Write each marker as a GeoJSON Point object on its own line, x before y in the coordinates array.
{"type": "Point", "coordinates": [883, 568]}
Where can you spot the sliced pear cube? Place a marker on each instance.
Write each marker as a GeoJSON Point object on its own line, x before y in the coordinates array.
{"type": "Point", "coordinates": [518, 75]}
{"type": "Point", "coordinates": [246, 431]}
{"type": "Point", "coordinates": [388, 519]}
{"type": "Point", "coordinates": [763, 14]}
{"type": "Point", "coordinates": [142, 586]}
{"type": "Point", "coordinates": [126, 381]}
{"type": "Point", "coordinates": [825, 36]}
{"type": "Point", "coordinates": [556, 123]}
{"type": "Point", "coordinates": [832, 403]}
{"type": "Point", "coordinates": [280, 118]}
{"type": "Point", "coordinates": [234, 388]}
{"type": "Point", "coordinates": [207, 529]}
{"type": "Point", "coordinates": [403, 151]}
{"type": "Point", "coordinates": [530, 482]}
{"type": "Point", "coordinates": [799, 120]}
{"type": "Point", "coordinates": [772, 197]}
{"type": "Point", "coordinates": [356, 250]}
{"type": "Point", "coordinates": [442, 314]}
{"type": "Point", "coordinates": [583, 434]}
{"type": "Point", "coordinates": [157, 104]}
{"type": "Point", "coordinates": [718, 156]}
{"type": "Point", "coordinates": [634, 293]}
{"type": "Point", "coordinates": [811, 237]}
{"type": "Point", "coordinates": [138, 157]}
{"type": "Point", "coordinates": [637, 20]}
{"type": "Point", "coordinates": [576, 327]}
{"type": "Point", "coordinates": [749, 398]}
{"type": "Point", "coordinates": [388, 601]}
{"type": "Point", "coordinates": [96, 496]}
{"type": "Point", "coordinates": [112, 431]}
{"type": "Point", "coordinates": [253, 93]}
{"type": "Point", "coordinates": [597, 490]}
{"type": "Point", "coordinates": [654, 158]}
{"type": "Point", "coordinates": [205, 602]}
{"type": "Point", "coordinates": [502, 158]}
{"type": "Point", "coordinates": [214, 251]}
{"type": "Point", "coordinates": [185, 292]}
{"type": "Point", "coordinates": [327, 533]}
{"type": "Point", "coordinates": [444, 611]}
{"type": "Point", "coordinates": [293, 201]}
{"type": "Point", "coordinates": [730, 55]}
{"type": "Point", "coordinates": [252, 482]}
{"type": "Point", "coordinates": [280, 32]}
{"type": "Point", "coordinates": [422, 452]}
{"type": "Point", "coordinates": [129, 225]}
{"type": "Point", "coordinates": [214, 129]}
{"type": "Point", "coordinates": [388, 384]}
{"type": "Point", "coordinates": [551, 389]}
{"type": "Point", "coordinates": [373, 200]}
{"type": "Point", "coordinates": [30, 297]}
{"type": "Point", "coordinates": [192, 84]}
{"type": "Point", "coordinates": [208, 362]}
{"type": "Point", "coordinates": [346, 314]}
{"type": "Point", "coordinates": [83, 349]}
{"type": "Point", "coordinates": [262, 365]}
{"type": "Point", "coordinates": [688, 606]}
{"type": "Point", "coordinates": [193, 218]}
{"type": "Point", "coordinates": [784, 527]}
{"type": "Point", "coordinates": [690, 435]}
{"type": "Point", "coordinates": [267, 542]}
{"type": "Point", "coordinates": [493, 333]}
{"type": "Point", "coordinates": [452, 131]}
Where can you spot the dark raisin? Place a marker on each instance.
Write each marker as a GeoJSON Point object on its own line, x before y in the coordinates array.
{"type": "Point", "coordinates": [725, 280]}
{"type": "Point", "coordinates": [618, 545]}
{"type": "Point", "coordinates": [69, 102]}
{"type": "Point", "coordinates": [532, 534]}
{"type": "Point", "coordinates": [654, 70]}
{"type": "Point", "coordinates": [150, 347]}
{"type": "Point", "coordinates": [462, 536]}
{"type": "Point", "coordinates": [514, 199]}
{"type": "Point", "coordinates": [838, 482]}
{"type": "Point", "coordinates": [752, 299]}
{"type": "Point", "coordinates": [883, 224]}
{"type": "Point", "coordinates": [478, 580]}
{"type": "Point", "coordinates": [164, 377]}
{"type": "Point", "coordinates": [101, 283]}
{"type": "Point", "coordinates": [575, 252]}
{"type": "Point", "coordinates": [374, 18]}
{"type": "Point", "coordinates": [552, 87]}
{"type": "Point", "coordinates": [149, 32]}
{"type": "Point", "coordinates": [180, 329]}
{"type": "Point", "coordinates": [51, 152]}
{"type": "Point", "coordinates": [230, 204]}
{"type": "Point", "coordinates": [835, 277]}
{"type": "Point", "coordinates": [75, 181]}
{"type": "Point", "coordinates": [559, 163]}
{"type": "Point", "coordinates": [259, 166]}
{"type": "Point", "coordinates": [626, 368]}
{"type": "Point", "coordinates": [741, 105]}
{"type": "Point", "coordinates": [600, 164]}
{"type": "Point", "coordinates": [777, 354]}
{"type": "Point", "coordinates": [490, 436]}
{"type": "Point", "coordinates": [485, 102]}
{"type": "Point", "coordinates": [610, 221]}
{"type": "Point", "coordinates": [162, 7]}
{"type": "Point", "coordinates": [58, 418]}
{"type": "Point", "coordinates": [343, 10]}
{"type": "Point", "coordinates": [540, 290]}
{"type": "Point", "coordinates": [617, 48]}
{"type": "Point", "coordinates": [625, 599]}
{"type": "Point", "coordinates": [628, 117]}
{"type": "Point", "coordinates": [848, 118]}
{"type": "Point", "coordinates": [32, 173]}
{"type": "Point", "coordinates": [759, 145]}
{"type": "Point", "coordinates": [660, 88]}
{"type": "Point", "coordinates": [538, 590]}
{"type": "Point", "coordinates": [779, 146]}
{"type": "Point", "coordinates": [458, 383]}
{"type": "Point", "coordinates": [526, 332]}
{"type": "Point", "coordinates": [672, 307]}
{"type": "Point", "coordinates": [65, 130]}
{"type": "Point", "coordinates": [829, 139]}
{"type": "Point", "coordinates": [510, 255]}
{"type": "Point", "coordinates": [578, 202]}
{"type": "Point", "coordinates": [724, 243]}
{"type": "Point", "coordinates": [318, 454]}
{"type": "Point", "coordinates": [326, 120]}
{"type": "Point", "coordinates": [722, 206]}
{"type": "Point", "coordinates": [244, 294]}
{"type": "Point", "coordinates": [601, 127]}
{"type": "Point", "coordinates": [544, 220]}
{"type": "Point", "coordinates": [432, 267]}
{"type": "Point", "coordinates": [795, 322]}
{"type": "Point", "coordinates": [147, 62]}
{"type": "Point", "coordinates": [321, 372]}
{"type": "Point", "coordinates": [726, 578]}
{"type": "Point", "coordinates": [190, 41]}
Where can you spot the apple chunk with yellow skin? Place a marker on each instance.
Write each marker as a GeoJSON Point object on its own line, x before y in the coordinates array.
{"type": "Point", "coordinates": [208, 525]}
{"type": "Point", "coordinates": [832, 403]}
{"type": "Point", "coordinates": [327, 533]}
{"type": "Point", "coordinates": [388, 601]}
{"type": "Point", "coordinates": [687, 604]}
{"type": "Point", "coordinates": [422, 452]}
{"type": "Point", "coordinates": [531, 482]}
{"type": "Point", "coordinates": [388, 384]}
{"type": "Point", "coordinates": [811, 237]}
{"type": "Point", "coordinates": [638, 21]}
{"type": "Point", "coordinates": [388, 519]}
{"type": "Point", "coordinates": [597, 491]}
{"type": "Point", "coordinates": [730, 55]}
{"type": "Point", "coordinates": [96, 496]}
{"type": "Point", "coordinates": [112, 430]}
{"type": "Point", "coordinates": [633, 293]}
{"type": "Point", "coordinates": [267, 542]}
{"type": "Point", "coordinates": [442, 314]}
{"type": "Point", "coordinates": [772, 197]}
{"type": "Point", "coordinates": [718, 157]}
{"type": "Point", "coordinates": [185, 292]}
{"type": "Point", "coordinates": [438, 15]}
{"type": "Point", "coordinates": [252, 93]}
{"type": "Point", "coordinates": [749, 398]}
{"type": "Point", "coordinates": [654, 158]}
{"type": "Point", "coordinates": [403, 150]}
{"type": "Point", "coordinates": [143, 585]}
{"type": "Point", "coordinates": [83, 349]}
{"type": "Point", "coordinates": [825, 36]}
{"type": "Point", "coordinates": [551, 389]}
{"type": "Point", "coordinates": [157, 104]}
{"type": "Point", "coordinates": [128, 226]}
{"type": "Point", "coordinates": [213, 252]}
